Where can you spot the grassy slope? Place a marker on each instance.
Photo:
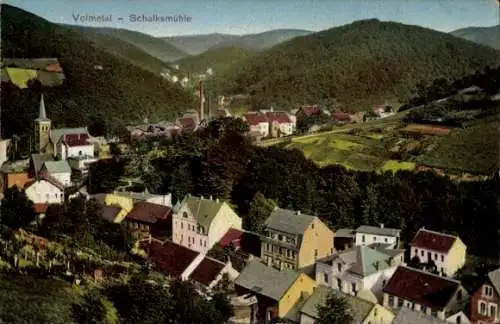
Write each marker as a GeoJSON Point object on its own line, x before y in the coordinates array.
{"type": "Point", "coordinates": [361, 63]}
{"type": "Point", "coordinates": [261, 41]}
{"type": "Point", "coordinates": [27, 300]}
{"type": "Point", "coordinates": [123, 49]}
{"type": "Point", "coordinates": [489, 36]}
{"type": "Point", "coordinates": [120, 93]}
{"type": "Point", "coordinates": [219, 60]}
{"type": "Point", "coordinates": [197, 44]}
{"type": "Point", "coordinates": [155, 47]}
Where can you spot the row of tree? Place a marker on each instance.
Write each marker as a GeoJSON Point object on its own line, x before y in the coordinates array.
{"type": "Point", "coordinates": [225, 165]}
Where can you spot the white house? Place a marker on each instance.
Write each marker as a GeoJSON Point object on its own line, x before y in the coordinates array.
{"type": "Point", "coordinates": [59, 170]}
{"type": "Point", "coordinates": [72, 142]}
{"type": "Point", "coordinates": [282, 121]}
{"type": "Point", "coordinates": [198, 223]}
{"type": "Point", "coordinates": [366, 235]}
{"type": "Point", "coordinates": [359, 268]}
{"type": "Point", "coordinates": [45, 190]}
{"type": "Point", "coordinates": [257, 122]}
{"type": "Point", "coordinates": [448, 252]}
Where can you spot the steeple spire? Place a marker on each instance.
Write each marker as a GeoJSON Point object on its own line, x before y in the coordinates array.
{"type": "Point", "coordinates": [42, 114]}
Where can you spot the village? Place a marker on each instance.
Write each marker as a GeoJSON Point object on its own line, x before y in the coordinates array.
{"type": "Point", "coordinates": [281, 274]}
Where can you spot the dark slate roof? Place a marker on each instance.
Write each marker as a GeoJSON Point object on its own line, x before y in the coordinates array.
{"type": "Point", "coordinates": [378, 230]}
{"type": "Point", "coordinates": [344, 233]}
{"type": "Point", "coordinates": [494, 277]}
{"type": "Point", "coordinates": [432, 240]}
{"type": "Point", "coordinates": [169, 258]}
{"type": "Point", "coordinates": [148, 212]}
{"type": "Point", "coordinates": [421, 287]}
{"type": "Point", "coordinates": [207, 271]}
{"type": "Point", "coordinates": [288, 221]}
{"type": "Point", "coordinates": [266, 281]}
{"type": "Point", "coordinates": [39, 160]}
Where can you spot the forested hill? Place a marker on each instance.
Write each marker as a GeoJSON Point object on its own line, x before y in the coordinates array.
{"type": "Point", "coordinates": [489, 36]}
{"type": "Point", "coordinates": [218, 59]}
{"type": "Point", "coordinates": [358, 64]}
{"type": "Point", "coordinates": [99, 88]}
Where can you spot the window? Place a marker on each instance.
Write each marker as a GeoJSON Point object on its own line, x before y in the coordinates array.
{"type": "Point", "coordinates": [488, 291]}
{"type": "Point", "coordinates": [363, 239]}
{"type": "Point", "coordinates": [384, 282]}
{"type": "Point", "coordinates": [353, 287]}
{"type": "Point", "coordinates": [182, 225]}
{"type": "Point", "coordinates": [459, 319]}
{"type": "Point", "coordinates": [400, 302]}
{"type": "Point", "coordinates": [416, 251]}
{"type": "Point", "coordinates": [339, 284]}
{"type": "Point", "coordinates": [482, 308]}
{"type": "Point", "coordinates": [325, 277]}
{"type": "Point", "coordinates": [459, 296]}
{"type": "Point", "coordinates": [422, 253]}
{"type": "Point", "coordinates": [312, 225]}
{"type": "Point", "coordinates": [280, 237]}
{"type": "Point", "coordinates": [435, 256]}
{"type": "Point", "coordinates": [205, 244]}
{"type": "Point", "coordinates": [374, 239]}
{"type": "Point", "coordinates": [315, 253]}
{"type": "Point", "coordinates": [493, 310]}
{"type": "Point", "coordinates": [201, 242]}
{"type": "Point", "coordinates": [442, 258]}
{"type": "Point", "coordinates": [423, 309]}
{"type": "Point", "coordinates": [375, 312]}
{"type": "Point", "coordinates": [80, 153]}
{"type": "Point", "coordinates": [339, 267]}
{"type": "Point", "coordinates": [385, 240]}
{"type": "Point", "coordinates": [391, 300]}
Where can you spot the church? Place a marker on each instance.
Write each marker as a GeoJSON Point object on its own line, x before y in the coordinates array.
{"type": "Point", "coordinates": [71, 144]}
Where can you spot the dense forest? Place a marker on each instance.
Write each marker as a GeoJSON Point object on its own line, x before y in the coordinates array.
{"type": "Point", "coordinates": [223, 164]}
{"type": "Point", "coordinates": [116, 92]}
{"type": "Point", "coordinates": [359, 64]}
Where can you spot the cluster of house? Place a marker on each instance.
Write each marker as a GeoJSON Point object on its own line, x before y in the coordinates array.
{"type": "Point", "coordinates": [62, 152]}
{"type": "Point", "coordinates": [283, 273]}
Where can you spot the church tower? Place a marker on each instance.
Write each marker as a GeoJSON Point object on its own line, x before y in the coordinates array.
{"type": "Point", "coordinates": [42, 130]}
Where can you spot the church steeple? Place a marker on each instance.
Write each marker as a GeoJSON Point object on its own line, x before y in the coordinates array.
{"type": "Point", "coordinates": [42, 114]}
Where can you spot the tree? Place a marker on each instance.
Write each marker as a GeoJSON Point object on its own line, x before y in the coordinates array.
{"type": "Point", "coordinates": [94, 309]}
{"type": "Point", "coordinates": [336, 310]}
{"type": "Point", "coordinates": [223, 307]}
{"type": "Point", "coordinates": [260, 209]}
{"type": "Point", "coordinates": [16, 210]}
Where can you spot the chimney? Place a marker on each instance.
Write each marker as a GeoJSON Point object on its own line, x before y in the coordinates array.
{"type": "Point", "coordinates": [201, 101]}
{"type": "Point", "coordinates": [381, 225]}
{"type": "Point", "coordinates": [298, 212]}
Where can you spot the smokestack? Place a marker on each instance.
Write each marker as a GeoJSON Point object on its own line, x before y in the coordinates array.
{"type": "Point", "coordinates": [201, 101]}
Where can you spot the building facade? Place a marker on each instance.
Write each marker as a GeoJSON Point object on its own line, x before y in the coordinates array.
{"type": "Point", "coordinates": [366, 235]}
{"type": "Point", "coordinates": [485, 301]}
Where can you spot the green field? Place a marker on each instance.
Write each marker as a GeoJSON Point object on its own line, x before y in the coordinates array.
{"type": "Point", "coordinates": [20, 77]}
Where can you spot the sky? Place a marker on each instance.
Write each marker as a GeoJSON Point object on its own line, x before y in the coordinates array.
{"type": "Point", "coordinates": [255, 16]}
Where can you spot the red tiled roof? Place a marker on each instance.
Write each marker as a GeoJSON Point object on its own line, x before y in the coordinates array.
{"type": "Point", "coordinates": [169, 258]}
{"type": "Point", "coordinates": [279, 117]}
{"type": "Point", "coordinates": [232, 236]}
{"type": "Point", "coordinates": [310, 110]}
{"type": "Point", "coordinates": [207, 271]}
{"type": "Point", "coordinates": [434, 241]}
{"type": "Point", "coordinates": [148, 212]}
{"type": "Point", "coordinates": [255, 118]}
{"type": "Point", "coordinates": [340, 116]}
{"type": "Point", "coordinates": [76, 139]}
{"type": "Point", "coordinates": [40, 208]}
{"type": "Point", "coordinates": [421, 287]}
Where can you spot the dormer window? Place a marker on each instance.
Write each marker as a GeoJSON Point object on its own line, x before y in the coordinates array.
{"type": "Point", "coordinates": [185, 215]}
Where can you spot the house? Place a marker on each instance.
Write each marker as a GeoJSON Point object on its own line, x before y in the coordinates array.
{"type": "Point", "coordinates": [485, 301]}
{"type": "Point", "coordinates": [179, 262]}
{"type": "Point", "coordinates": [424, 292]}
{"type": "Point", "coordinates": [308, 111]}
{"type": "Point", "coordinates": [277, 292]}
{"type": "Point", "coordinates": [406, 316]}
{"type": "Point", "coordinates": [164, 200]}
{"type": "Point", "coordinates": [257, 122]}
{"type": "Point", "coordinates": [147, 219]}
{"type": "Point", "coordinates": [363, 312]}
{"type": "Point", "coordinates": [447, 252]}
{"type": "Point", "coordinates": [14, 174]}
{"type": "Point", "coordinates": [359, 268]}
{"type": "Point", "coordinates": [36, 163]}
{"type": "Point", "coordinates": [341, 117]}
{"type": "Point", "coordinates": [366, 235]}
{"type": "Point", "coordinates": [44, 191]}
{"type": "Point", "coordinates": [281, 123]}
{"type": "Point", "coordinates": [241, 240]}
{"type": "Point", "coordinates": [343, 239]}
{"type": "Point", "coordinates": [199, 223]}
{"type": "Point", "coordinates": [59, 170]}
{"type": "Point", "coordinates": [293, 240]}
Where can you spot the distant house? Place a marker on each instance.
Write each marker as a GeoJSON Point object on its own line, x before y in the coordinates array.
{"type": "Point", "coordinates": [366, 235]}
{"type": "Point", "coordinates": [59, 170]}
{"type": "Point", "coordinates": [14, 174]}
{"type": "Point", "coordinates": [448, 252]}
{"type": "Point", "coordinates": [341, 117]}
{"type": "Point", "coordinates": [147, 219]}
{"type": "Point", "coordinates": [241, 240]}
{"type": "Point", "coordinates": [363, 311]}
{"type": "Point", "coordinates": [281, 123]}
{"type": "Point", "coordinates": [343, 239]}
{"type": "Point", "coordinates": [308, 111]}
{"type": "Point", "coordinates": [199, 223]}
{"type": "Point", "coordinates": [359, 268]}
{"type": "Point", "coordinates": [179, 262]}
{"type": "Point", "coordinates": [257, 122]}
{"type": "Point", "coordinates": [424, 292]}
{"type": "Point", "coordinates": [139, 132]}
{"type": "Point", "coordinates": [277, 292]}
{"type": "Point", "coordinates": [44, 191]}
{"type": "Point", "coordinates": [293, 240]}
{"type": "Point", "coordinates": [485, 301]}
